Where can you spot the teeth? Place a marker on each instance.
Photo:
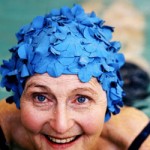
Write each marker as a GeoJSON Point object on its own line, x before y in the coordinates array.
{"type": "Point", "coordinates": [62, 141]}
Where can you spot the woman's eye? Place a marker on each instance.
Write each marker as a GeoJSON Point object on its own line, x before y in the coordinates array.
{"type": "Point", "coordinates": [40, 98]}
{"type": "Point", "coordinates": [82, 99]}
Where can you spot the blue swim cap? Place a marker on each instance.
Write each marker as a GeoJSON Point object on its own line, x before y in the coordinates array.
{"type": "Point", "coordinates": [66, 41]}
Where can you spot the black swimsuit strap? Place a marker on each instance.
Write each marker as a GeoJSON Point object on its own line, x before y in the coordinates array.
{"type": "Point", "coordinates": [3, 145]}
{"type": "Point", "coordinates": [140, 138]}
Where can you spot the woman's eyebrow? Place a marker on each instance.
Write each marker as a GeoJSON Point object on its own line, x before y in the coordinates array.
{"type": "Point", "coordinates": [34, 84]}
{"type": "Point", "coordinates": [84, 89]}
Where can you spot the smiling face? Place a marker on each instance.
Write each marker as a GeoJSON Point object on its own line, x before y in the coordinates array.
{"type": "Point", "coordinates": [63, 113]}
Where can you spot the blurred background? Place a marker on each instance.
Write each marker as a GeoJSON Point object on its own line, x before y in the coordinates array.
{"type": "Point", "coordinates": [131, 19]}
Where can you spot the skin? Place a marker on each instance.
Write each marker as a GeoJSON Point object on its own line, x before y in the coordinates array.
{"type": "Point", "coordinates": [63, 108]}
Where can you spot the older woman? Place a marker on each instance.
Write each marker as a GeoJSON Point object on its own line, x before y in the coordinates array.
{"type": "Point", "coordinates": [64, 73]}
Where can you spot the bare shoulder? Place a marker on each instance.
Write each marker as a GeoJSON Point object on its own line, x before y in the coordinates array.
{"type": "Point", "coordinates": [131, 112]}
{"type": "Point", "coordinates": [7, 114]}
{"type": "Point", "coordinates": [129, 118]}
{"type": "Point", "coordinates": [136, 120]}
{"type": "Point", "coordinates": [12, 127]}
{"type": "Point", "coordinates": [6, 109]}
{"type": "Point", "coordinates": [123, 128]}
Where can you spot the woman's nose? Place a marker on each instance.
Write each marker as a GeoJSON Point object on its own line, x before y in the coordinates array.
{"type": "Point", "coordinates": [61, 121]}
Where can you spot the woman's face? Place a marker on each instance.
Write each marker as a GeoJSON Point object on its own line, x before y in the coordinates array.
{"type": "Point", "coordinates": [63, 113]}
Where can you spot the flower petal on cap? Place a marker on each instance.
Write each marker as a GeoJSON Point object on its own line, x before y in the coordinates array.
{"type": "Point", "coordinates": [38, 22]}
{"type": "Point", "coordinates": [24, 71]}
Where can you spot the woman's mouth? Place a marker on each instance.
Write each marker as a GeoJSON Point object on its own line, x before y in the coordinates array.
{"type": "Point", "coordinates": [62, 140]}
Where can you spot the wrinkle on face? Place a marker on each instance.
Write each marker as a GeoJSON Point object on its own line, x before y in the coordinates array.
{"type": "Point", "coordinates": [70, 85]}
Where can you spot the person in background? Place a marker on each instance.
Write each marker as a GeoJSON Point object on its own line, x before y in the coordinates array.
{"type": "Point", "coordinates": [136, 86]}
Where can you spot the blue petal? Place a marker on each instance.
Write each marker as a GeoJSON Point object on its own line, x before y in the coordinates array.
{"type": "Point", "coordinates": [87, 21]}
{"type": "Point", "coordinates": [4, 71]}
{"type": "Point", "coordinates": [55, 12]}
{"type": "Point", "coordinates": [24, 29]}
{"type": "Point", "coordinates": [107, 32]}
{"type": "Point", "coordinates": [81, 29]}
{"type": "Point", "coordinates": [95, 69]}
{"type": "Point", "coordinates": [107, 116]}
{"type": "Point", "coordinates": [77, 10]}
{"type": "Point", "coordinates": [13, 49]}
{"type": "Point", "coordinates": [84, 75]}
{"type": "Point", "coordinates": [43, 63]}
{"type": "Point", "coordinates": [36, 59]}
{"type": "Point", "coordinates": [87, 34]}
{"type": "Point", "coordinates": [62, 46]}
{"type": "Point", "coordinates": [120, 59]}
{"type": "Point", "coordinates": [58, 69]}
{"type": "Point", "coordinates": [50, 30]}
{"type": "Point", "coordinates": [116, 46]}
{"type": "Point", "coordinates": [100, 51]}
{"type": "Point", "coordinates": [44, 45]}
{"type": "Point", "coordinates": [84, 60]}
{"type": "Point", "coordinates": [42, 69]}
{"type": "Point", "coordinates": [79, 50]}
{"type": "Point", "coordinates": [30, 69]}
{"type": "Point", "coordinates": [66, 61]}
{"type": "Point", "coordinates": [55, 70]}
{"type": "Point", "coordinates": [106, 66]}
{"type": "Point", "coordinates": [38, 22]}
{"type": "Point", "coordinates": [66, 12]}
{"type": "Point", "coordinates": [74, 68]}
{"type": "Point", "coordinates": [14, 72]}
{"type": "Point", "coordinates": [22, 51]}
{"type": "Point", "coordinates": [91, 48]}
{"type": "Point", "coordinates": [54, 51]}
{"type": "Point", "coordinates": [119, 90]}
{"type": "Point", "coordinates": [72, 28]}
{"type": "Point", "coordinates": [69, 52]}
{"type": "Point", "coordinates": [8, 64]}
{"type": "Point", "coordinates": [19, 65]}
{"type": "Point", "coordinates": [117, 110]}
{"type": "Point", "coordinates": [17, 100]}
{"type": "Point", "coordinates": [30, 55]}
{"type": "Point", "coordinates": [113, 94]}
{"type": "Point", "coordinates": [95, 20]}
{"type": "Point", "coordinates": [105, 81]}
{"type": "Point", "coordinates": [24, 71]}
{"type": "Point", "coordinates": [60, 36]}
{"type": "Point", "coordinates": [52, 39]}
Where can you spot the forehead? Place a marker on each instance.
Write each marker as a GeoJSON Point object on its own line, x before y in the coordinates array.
{"type": "Point", "coordinates": [64, 81]}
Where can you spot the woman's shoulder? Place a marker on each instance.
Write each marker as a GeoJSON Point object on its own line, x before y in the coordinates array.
{"type": "Point", "coordinates": [138, 124]}
{"type": "Point", "coordinates": [122, 129]}
{"type": "Point", "coordinates": [9, 115]}
{"type": "Point", "coordinates": [6, 109]}
{"type": "Point", "coordinates": [3, 109]}
{"type": "Point", "coordinates": [10, 123]}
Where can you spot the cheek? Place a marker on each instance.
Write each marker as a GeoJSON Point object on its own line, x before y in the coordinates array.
{"type": "Point", "coordinates": [92, 122]}
{"type": "Point", "coordinates": [32, 120]}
